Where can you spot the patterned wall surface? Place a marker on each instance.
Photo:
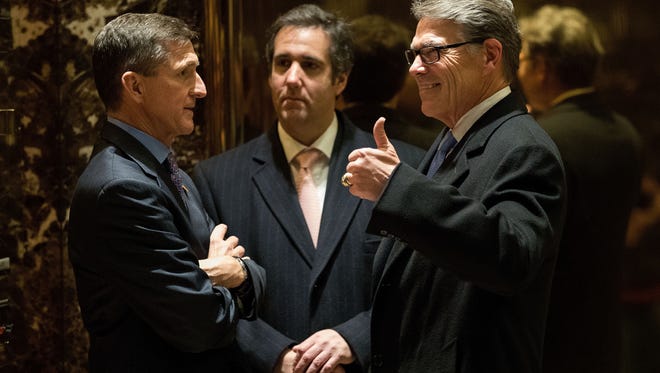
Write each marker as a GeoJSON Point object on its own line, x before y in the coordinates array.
{"type": "Point", "coordinates": [46, 77]}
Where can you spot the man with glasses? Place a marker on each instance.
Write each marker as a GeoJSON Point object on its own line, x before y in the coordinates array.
{"type": "Point", "coordinates": [463, 279]}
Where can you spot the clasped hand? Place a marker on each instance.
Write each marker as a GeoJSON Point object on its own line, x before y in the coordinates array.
{"type": "Point", "coordinates": [324, 351]}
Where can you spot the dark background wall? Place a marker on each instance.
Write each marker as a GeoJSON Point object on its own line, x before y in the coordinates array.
{"type": "Point", "coordinates": [45, 77]}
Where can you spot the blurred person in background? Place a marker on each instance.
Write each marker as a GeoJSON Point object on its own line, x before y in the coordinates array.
{"type": "Point", "coordinates": [378, 75]}
{"type": "Point", "coordinates": [602, 155]}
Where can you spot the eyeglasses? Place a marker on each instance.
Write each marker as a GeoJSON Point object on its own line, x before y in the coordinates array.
{"type": "Point", "coordinates": [431, 55]}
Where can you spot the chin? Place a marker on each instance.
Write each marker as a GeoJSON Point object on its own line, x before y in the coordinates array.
{"type": "Point", "coordinates": [188, 128]}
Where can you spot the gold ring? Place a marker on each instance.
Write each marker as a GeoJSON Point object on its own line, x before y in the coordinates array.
{"type": "Point", "coordinates": [344, 180]}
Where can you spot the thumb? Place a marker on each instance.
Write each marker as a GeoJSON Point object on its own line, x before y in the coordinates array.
{"type": "Point", "coordinates": [382, 142]}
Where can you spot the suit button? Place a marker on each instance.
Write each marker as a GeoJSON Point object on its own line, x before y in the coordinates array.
{"type": "Point", "coordinates": [377, 360]}
{"type": "Point", "coordinates": [383, 232]}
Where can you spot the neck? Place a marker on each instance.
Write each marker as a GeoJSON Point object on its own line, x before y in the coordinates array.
{"type": "Point", "coordinates": [139, 121]}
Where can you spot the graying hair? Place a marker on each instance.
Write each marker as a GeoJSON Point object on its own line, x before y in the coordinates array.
{"type": "Point", "coordinates": [134, 42]}
{"type": "Point", "coordinates": [479, 19]}
{"type": "Point", "coordinates": [567, 40]}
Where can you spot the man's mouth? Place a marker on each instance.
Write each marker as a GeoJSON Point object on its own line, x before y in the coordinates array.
{"type": "Point", "coordinates": [428, 85]}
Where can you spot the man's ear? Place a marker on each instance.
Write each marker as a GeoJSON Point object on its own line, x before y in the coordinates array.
{"type": "Point", "coordinates": [340, 83]}
{"type": "Point", "coordinates": [493, 53]}
{"type": "Point", "coordinates": [132, 85]}
{"type": "Point", "coordinates": [540, 68]}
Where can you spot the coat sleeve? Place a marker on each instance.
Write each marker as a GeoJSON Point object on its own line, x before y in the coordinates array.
{"type": "Point", "coordinates": [140, 250]}
{"type": "Point", "coordinates": [357, 333]}
{"type": "Point", "coordinates": [262, 343]}
{"type": "Point", "coordinates": [498, 234]}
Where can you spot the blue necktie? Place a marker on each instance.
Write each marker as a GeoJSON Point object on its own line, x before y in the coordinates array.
{"type": "Point", "coordinates": [447, 145]}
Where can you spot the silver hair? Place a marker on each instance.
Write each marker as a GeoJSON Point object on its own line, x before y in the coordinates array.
{"type": "Point", "coordinates": [479, 19]}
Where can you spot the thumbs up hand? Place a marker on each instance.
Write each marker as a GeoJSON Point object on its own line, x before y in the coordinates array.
{"type": "Point", "coordinates": [369, 169]}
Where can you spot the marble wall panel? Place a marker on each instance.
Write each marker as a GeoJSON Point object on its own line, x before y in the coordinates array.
{"type": "Point", "coordinates": [45, 75]}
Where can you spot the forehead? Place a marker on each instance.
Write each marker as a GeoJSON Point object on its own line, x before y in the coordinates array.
{"type": "Point", "coordinates": [433, 32]}
{"type": "Point", "coordinates": [311, 42]}
{"type": "Point", "coordinates": [181, 54]}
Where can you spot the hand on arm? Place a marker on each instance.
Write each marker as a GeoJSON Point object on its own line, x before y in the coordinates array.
{"type": "Point", "coordinates": [371, 168]}
{"type": "Point", "coordinates": [221, 265]}
{"type": "Point", "coordinates": [220, 246]}
{"type": "Point", "coordinates": [323, 351]}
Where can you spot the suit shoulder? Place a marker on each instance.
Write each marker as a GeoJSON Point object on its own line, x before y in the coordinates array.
{"type": "Point", "coordinates": [112, 164]}
{"type": "Point", "coordinates": [238, 154]}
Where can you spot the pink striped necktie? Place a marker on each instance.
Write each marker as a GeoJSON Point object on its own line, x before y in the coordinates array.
{"type": "Point", "coordinates": [307, 192]}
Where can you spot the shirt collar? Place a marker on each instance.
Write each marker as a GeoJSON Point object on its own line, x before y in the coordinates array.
{"type": "Point", "coordinates": [470, 118]}
{"type": "Point", "coordinates": [324, 143]}
{"type": "Point", "coordinates": [155, 147]}
{"type": "Point", "coordinates": [570, 93]}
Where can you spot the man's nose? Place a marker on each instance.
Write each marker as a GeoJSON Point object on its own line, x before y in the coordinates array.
{"type": "Point", "coordinates": [294, 74]}
{"type": "Point", "coordinates": [200, 88]}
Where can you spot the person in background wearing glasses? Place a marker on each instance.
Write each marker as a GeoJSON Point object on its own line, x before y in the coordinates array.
{"type": "Point", "coordinates": [316, 307]}
{"type": "Point", "coordinates": [463, 278]}
{"type": "Point", "coordinates": [602, 154]}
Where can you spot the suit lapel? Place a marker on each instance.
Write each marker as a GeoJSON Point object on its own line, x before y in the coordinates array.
{"type": "Point", "coordinates": [475, 140]}
{"type": "Point", "coordinates": [339, 207]}
{"type": "Point", "coordinates": [428, 157]}
{"type": "Point", "coordinates": [142, 156]}
{"type": "Point", "coordinates": [114, 135]}
{"type": "Point", "coordinates": [272, 178]}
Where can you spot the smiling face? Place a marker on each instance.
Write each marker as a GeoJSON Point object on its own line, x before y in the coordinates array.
{"type": "Point", "coordinates": [168, 97]}
{"type": "Point", "coordinates": [453, 85]}
{"type": "Point", "coordinates": [301, 83]}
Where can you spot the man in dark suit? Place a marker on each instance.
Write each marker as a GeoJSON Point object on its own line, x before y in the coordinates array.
{"type": "Point", "coordinates": [377, 78]}
{"type": "Point", "coordinates": [139, 239]}
{"type": "Point", "coordinates": [463, 279]}
{"type": "Point", "coordinates": [319, 269]}
{"type": "Point", "coordinates": [602, 155]}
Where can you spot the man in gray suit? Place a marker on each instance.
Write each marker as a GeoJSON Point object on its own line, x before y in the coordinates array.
{"type": "Point", "coordinates": [318, 294]}
{"type": "Point", "coordinates": [463, 280]}
{"type": "Point", "coordinates": [602, 155]}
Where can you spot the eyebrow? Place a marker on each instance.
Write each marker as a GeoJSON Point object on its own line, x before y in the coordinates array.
{"type": "Point", "coordinates": [305, 57]}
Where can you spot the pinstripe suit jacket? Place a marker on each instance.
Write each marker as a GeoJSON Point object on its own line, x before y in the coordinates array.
{"type": "Point", "coordinates": [250, 189]}
{"type": "Point", "coordinates": [134, 248]}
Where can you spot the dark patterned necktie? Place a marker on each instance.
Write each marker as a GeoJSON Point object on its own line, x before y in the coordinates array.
{"type": "Point", "coordinates": [447, 145]}
{"type": "Point", "coordinates": [174, 172]}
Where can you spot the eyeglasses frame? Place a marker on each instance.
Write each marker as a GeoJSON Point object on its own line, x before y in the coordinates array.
{"type": "Point", "coordinates": [437, 49]}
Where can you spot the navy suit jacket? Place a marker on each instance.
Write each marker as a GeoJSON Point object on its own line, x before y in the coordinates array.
{"type": "Point", "coordinates": [145, 302]}
{"type": "Point", "coordinates": [250, 189]}
{"type": "Point", "coordinates": [464, 278]}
